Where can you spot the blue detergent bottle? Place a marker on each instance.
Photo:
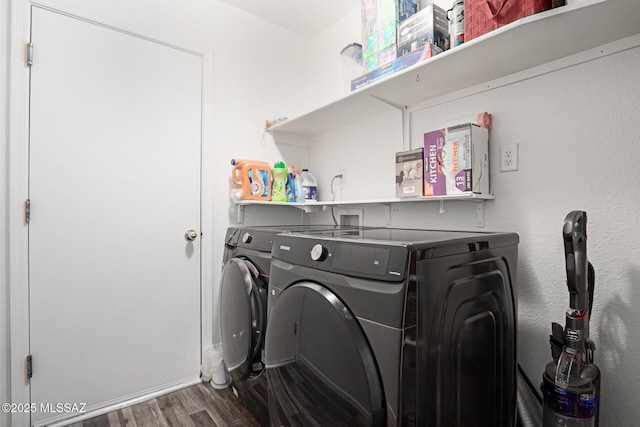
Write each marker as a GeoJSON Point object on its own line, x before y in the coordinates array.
{"type": "Point", "coordinates": [290, 187]}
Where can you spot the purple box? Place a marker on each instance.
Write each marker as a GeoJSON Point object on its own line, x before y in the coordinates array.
{"type": "Point", "coordinates": [434, 178]}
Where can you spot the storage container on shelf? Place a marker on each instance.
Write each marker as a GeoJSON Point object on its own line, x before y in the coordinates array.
{"type": "Point", "coordinates": [309, 185]}
{"type": "Point", "coordinates": [291, 188]}
{"type": "Point", "coordinates": [253, 177]}
{"type": "Point", "coordinates": [278, 191]}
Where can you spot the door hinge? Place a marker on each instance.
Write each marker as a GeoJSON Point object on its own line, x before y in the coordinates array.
{"type": "Point", "coordinates": [29, 367]}
{"type": "Point", "coordinates": [29, 54]}
{"type": "Point", "coordinates": [27, 211]}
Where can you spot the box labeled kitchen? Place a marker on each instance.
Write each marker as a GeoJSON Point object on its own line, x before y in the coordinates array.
{"type": "Point", "coordinates": [465, 159]}
{"type": "Point", "coordinates": [434, 179]}
{"type": "Point", "coordinates": [409, 173]}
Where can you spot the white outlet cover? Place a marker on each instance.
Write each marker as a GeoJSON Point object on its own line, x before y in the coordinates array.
{"type": "Point", "coordinates": [508, 158]}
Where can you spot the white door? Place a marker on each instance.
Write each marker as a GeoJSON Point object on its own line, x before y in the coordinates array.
{"type": "Point", "coordinates": [114, 185]}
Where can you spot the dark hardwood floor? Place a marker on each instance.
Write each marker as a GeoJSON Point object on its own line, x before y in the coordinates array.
{"type": "Point", "coordinates": [198, 405]}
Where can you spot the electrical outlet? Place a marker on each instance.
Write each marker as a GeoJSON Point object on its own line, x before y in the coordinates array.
{"type": "Point", "coordinates": [508, 158]}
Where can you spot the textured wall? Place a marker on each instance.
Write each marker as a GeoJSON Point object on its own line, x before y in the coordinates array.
{"type": "Point", "coordinates": [579, 137]}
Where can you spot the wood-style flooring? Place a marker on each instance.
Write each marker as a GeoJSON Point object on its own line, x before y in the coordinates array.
{"type": "Point", "coordinates": [198, 405]}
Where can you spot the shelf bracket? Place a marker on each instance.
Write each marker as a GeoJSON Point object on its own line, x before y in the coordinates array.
{"type": "Point", "coordinates": [406, 121]}
{"type": "Point", "coordinates": [311, 208]}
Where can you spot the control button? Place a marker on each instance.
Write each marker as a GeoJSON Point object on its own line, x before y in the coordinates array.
{"type": "Point", "coordinates": [246, 238]}
{"type": "Point", "coordinates": [319, 253]}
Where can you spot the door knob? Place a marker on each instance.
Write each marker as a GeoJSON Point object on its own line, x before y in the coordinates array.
{"type": "Point", "coordinates": [191, 235]}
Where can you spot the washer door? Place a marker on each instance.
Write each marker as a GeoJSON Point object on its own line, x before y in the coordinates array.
{"type": "Point", "coordinates": [242, 317]}
{"type": "Point", "coordinates": [320, 367]}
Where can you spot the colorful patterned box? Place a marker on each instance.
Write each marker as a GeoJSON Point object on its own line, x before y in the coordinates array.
{"type": "Point", "coordinates": [396, 65]}
{"type": "Point", "coordinates": [380, 20]}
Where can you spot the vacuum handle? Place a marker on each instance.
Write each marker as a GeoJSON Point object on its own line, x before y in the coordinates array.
{"type": "Point", "coordinates": [592, 284]}
{"type": "Point", "coordinates": [575, 249]}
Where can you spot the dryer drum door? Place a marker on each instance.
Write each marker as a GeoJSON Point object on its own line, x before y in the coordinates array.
{"type": "Point", "coordinates": [242, 317]}
{"type": "Point", "coordinates": [320, 367]}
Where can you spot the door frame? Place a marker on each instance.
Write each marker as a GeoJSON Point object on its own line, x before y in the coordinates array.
{"type": "Point", "coordinates": [18, 183]}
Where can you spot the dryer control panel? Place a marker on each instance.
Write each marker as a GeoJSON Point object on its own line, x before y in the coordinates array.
{"type": "Point", "coordinates": [379, 262]}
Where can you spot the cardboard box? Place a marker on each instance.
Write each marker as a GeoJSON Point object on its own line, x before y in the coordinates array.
{"type": "Point", "coordinates": [380, 20]}
{"type": "Point", "coordinates": [409, 173]}
{"type": "Point", "coordinates": [466, 159]}
{"type": "Point", "coordinates": [430, 25]}
{"type": "Point", "coordinates": [406, 61]}
{"type": "Point", "coordinates": [406, 8]}
{"type": "Point", "coordinates": [434, 179]}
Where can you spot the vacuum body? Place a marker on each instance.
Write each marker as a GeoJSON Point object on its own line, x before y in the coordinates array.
{"type": "Point", "coordinates": [571, 381]}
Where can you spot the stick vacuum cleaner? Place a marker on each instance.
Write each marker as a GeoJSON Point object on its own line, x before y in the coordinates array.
{"type": "Point", "coordinates": [571, 382]}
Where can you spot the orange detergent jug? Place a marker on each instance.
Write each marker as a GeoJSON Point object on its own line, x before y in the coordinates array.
{"type": "Point", "coordinates": [254, 179]}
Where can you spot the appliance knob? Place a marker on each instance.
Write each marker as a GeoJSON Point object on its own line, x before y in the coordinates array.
{"type": "Point", "coordinates": [246, 238]}
{"type": "Point", "coordinates": [319, 252]}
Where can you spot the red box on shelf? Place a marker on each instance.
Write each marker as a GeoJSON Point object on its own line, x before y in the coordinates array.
{"type": "Point", "coordinates": [482, 16]}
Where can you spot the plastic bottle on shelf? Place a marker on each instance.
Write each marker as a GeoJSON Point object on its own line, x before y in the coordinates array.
{"type": "Point", "coordinates": [253, 178]}
{"type": "Point", "coordinates": [290, 188]}
{"type": "Point", "coordinates": [456, 23]}
{"type": "Point", "coordinates": [310, 186]}
{"type": "Point", "coordinates": [278, 191]}
{"type": "Point", "coordinates": [297, 178]}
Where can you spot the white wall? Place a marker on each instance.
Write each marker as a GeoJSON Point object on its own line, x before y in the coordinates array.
{"type": "Point", "coordinates": [327, 76]}
{"type": "Point", "coordinates": [579, 140]}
